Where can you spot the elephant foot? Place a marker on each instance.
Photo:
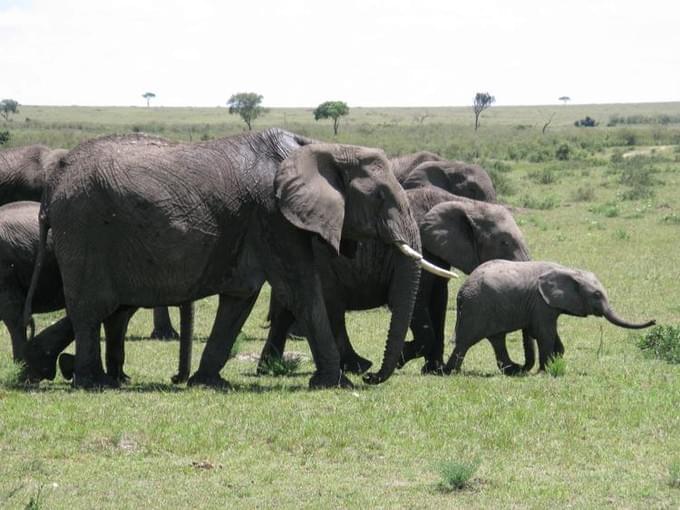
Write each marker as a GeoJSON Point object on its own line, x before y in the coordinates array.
{"type": "Point", "coordinates": [164, 333]}
{"type": "Point", "coordinates": [94, 381]}
{"type": "Point", "coordinates": [512, 369]}
{"type": "Point", "coordinates": [321, 380]}
{"type": "Point", "coordinates": [40, 364]}
{"type": "Point", "coordinates": [122, 378]}
{"type": "Point", "coordinates": [374, 378]}
{"type": "Point", "coordinates": [179, 378]}
{"type": "Point", "coordinates": [410, 351]}
{"type": "Point", "coordinates": [355, 364]}
{"type": "Point", "coordinates": [66, 365]}
{"type": "Point", "coordinates": [433, 367]}
{"type": "Point", "coordinates": [209, 380]}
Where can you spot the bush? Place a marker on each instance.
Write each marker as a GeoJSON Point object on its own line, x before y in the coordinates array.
{"type": "Point", "coordinates": [456, 475]}
{"type": "Point", "coordinates": [545, 176]}
{"type": "Point", "coordinates": [662, 342]}
{"type": "Point", "coordinates": [562, 152]}
{"type": "Point", "coordinates": [587, 122]}
{"type": "Point", "coordinates": [4, 137]}
{"type": "Point", "coordinates": [556, 366]}
{"type": "Point", "coordinates": [583, 194]}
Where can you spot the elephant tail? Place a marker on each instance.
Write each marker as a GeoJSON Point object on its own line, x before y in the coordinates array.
{"type": "Point", "coordinates": [529, 351]}
{"type": "Point", "coordinates": [42, 245]}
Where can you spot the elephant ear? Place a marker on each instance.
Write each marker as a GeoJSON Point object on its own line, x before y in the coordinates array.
{"type": "Point", "coordinates": [309, 187]}
{"type": "Point", "coordinates": [426, 174]}
{"type": "Point", "coordinates": [450, 232]}
{"type": "Point", "coordinates": [561, 290]}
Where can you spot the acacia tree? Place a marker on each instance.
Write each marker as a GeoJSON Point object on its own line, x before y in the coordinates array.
{"type": "Point", "coordinates": [483, 100]}
{"type": "Point", "coordinates": [148, 96]}
{"type": "Point", "coordinates": [8, 106]}
{"type": "Point", "coordinates": [247, 105]}
{"type": "Point", "coordinates": [332, 110]}
{"type": "Point", "coordinates": [564, 99]}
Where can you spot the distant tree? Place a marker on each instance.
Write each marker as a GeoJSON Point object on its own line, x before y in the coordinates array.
{"type": "Point", "coordinates": [4, 137]}
{"type": "Point", "coordinates": [564, 99]}
{"type": "Point", "coordinates": [332, 110]}
{"type": "Point", "coordinates": [8, 106]}
{"type": "Point", "coordinates": [547, 123]}
{"type": "Point", "coordinates": [483, 100]}
{"type": "Point", "coordinates": [247, 105]}
{"type": "Point", "coordinates": [148, 96]}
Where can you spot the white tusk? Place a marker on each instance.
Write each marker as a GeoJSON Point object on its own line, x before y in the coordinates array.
{"type": "Point", "coordinates": [409, 252]}
{"type": "Point", "coordinates": [431, 268]}
{"type": "Point", "coordinates": [427, 266]}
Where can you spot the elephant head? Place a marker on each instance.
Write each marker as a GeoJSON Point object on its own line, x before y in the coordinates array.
{"type": "Point", "coordinates": [402, 166]}
{"type": "Point", "coordinates": [342, 192]}
{"type": "Point", "coordinates": [467, 233]}
{"type": "Point", "coordinates": [580, 293]}
{"type": "Point", "coordinates": [456, 177]}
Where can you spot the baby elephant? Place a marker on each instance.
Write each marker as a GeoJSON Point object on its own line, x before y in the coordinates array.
{"type": "Point", "coordinates": [503, 296]}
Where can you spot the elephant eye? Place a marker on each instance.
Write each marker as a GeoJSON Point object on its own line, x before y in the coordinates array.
{"type": "Point", "coordinates": [597, 294]}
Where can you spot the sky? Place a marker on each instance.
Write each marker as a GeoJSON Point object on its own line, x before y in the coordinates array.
{"type": "Point", "coordinates": [364, 52]}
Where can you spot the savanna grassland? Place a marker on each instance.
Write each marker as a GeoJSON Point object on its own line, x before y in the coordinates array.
{"type": "Point", "coordinates": [604, 434]}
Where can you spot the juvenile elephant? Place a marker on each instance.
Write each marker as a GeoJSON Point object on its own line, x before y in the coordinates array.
{"type": "Point", "coordinates": [462, 179]}
{"type": "Point", "coordinates": [23, 176]}
{"type": "Point", "coordinates": [19, 239]}
{"type": "Point", "coordinates": [455, 231]}
{"type": "Point", "coordinates": [500, 297]}
{"type": "Point", "coordinates": [140, 221]}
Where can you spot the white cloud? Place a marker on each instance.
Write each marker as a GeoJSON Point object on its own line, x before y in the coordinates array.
{"type": "Point", "coordinates": [365, 52]}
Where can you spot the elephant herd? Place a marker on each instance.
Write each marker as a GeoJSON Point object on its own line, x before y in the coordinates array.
{"type": "Point", "coordinates": [132, 221]}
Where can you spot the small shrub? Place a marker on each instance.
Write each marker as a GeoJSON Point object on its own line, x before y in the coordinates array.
{"type": "Point", "coordinates": [583, 194]}
{"type": "Point", "coordinates": [638, 192]}
{"type": "Point", "coordinates": [674, 474]}
{"type": "Point", "coordinates": [616, 157]}
{"type": "Point", "coordinates": [662, 342]}
{"type": "Point", "coordinates": [671, 219]}
{"type": "Point", "coordinates": [281, 366]}
{"type": "Point", "coordinates": [608, 210]}
{"type": "Point", "coordinates": [544, 203]}
{"type": "Point", "coordinates": [621, 235]}
{"type": "Point", "coordinates": [11, 374]}
{"type": "Point", "coordinates": [4, 137]}
{"type": "Point", "coordinates": [456, 476]}
{"type": "Point", "coordinates": [545, 176]}
{"type": "Point", "coordinates": [562, 152]}
{"type": "Point", "coordinates": [556, 366]}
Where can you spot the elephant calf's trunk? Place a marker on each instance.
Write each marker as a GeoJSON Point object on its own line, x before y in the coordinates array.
{"type": "Point", "coordinates": [618, 321]}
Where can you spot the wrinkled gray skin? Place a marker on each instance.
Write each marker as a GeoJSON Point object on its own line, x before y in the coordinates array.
{"type": "Point", "coordinates": [19, 239]}
{"type": "Point", "coordinates": [454, 231]}
{"type": "Point", "coordinates": [139, 221]}
{"type": "Point", "coordinates": [457, 177]}
{"type": "Point", "coordinates": [22, 177]}
{"type": "Point", "coordinates": [402, 166]}
{"type": "Point", "coordinates": [500, 297]}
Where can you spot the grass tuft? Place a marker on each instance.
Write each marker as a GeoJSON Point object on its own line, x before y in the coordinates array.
{"type": "Point", "coordinates": [674, 474]}
{"type": "Point", "coordinates": [281, 366]}
{"type": "Point", "coordinates": [11, 374]}
{"type": "Point", "coordinates": [662, 342]}
{"type": "Point", "coordinates": [456, 475]}
{"type": "Point", "coordinates": [556, 366]}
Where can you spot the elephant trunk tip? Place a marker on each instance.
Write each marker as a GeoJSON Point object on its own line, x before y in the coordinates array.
{"type": "Point", "coordinates": [618, 321]}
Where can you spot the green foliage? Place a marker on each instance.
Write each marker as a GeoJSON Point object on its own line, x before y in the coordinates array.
{"type": "Point", "coordinates": [543, 176]}
{"type": "Point", "coordinates": [148, 96]}
{"type": "Point", "coordinates": [247, 105]}
{"type": "Point", "coordinates": [456, 475]}
{"type": "Point", "coordinates": [482, 101]}
{"type": "Point", "coordinates": [562, 152]}
{"type": "Point", "coordinates": [4, 137]}
{"type": "Point", "coordinates": [608, 209]}
{"type": "Point", "coordinates": [332, 110]}
{"type": "Point", "coordinates": [556, 366]}
{"type": "Point", "coordinates": [281, 365]}
{"type": "Point", "coordinates": [583, 194]}
{"type": "Point", "coordinates": [7, 107]}
{"type": "Point", "coordinates": [663, 119]}
{"type": "Point", "coordinates": [10, 373]}
{"type": "Point", "coordinates": [662, 342]}
{"type": "Point", "coordinates": [674, 474]}
{"type": "Point", "coordinates": [543, 203]}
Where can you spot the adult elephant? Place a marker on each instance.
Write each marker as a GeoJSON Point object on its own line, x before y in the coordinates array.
{"type": "Point", "coordinates": [460, 178]}
{"type": "Point", "coordinates": [139, 221]}
{"type": "Point", "coordinates": [402, 166]}
{"type": "Point", "coordinates": [19, 239]}
{"type": "Point", "coordinates": [454, 231]}
{"type": "Point", "coordinates": [22, 177]}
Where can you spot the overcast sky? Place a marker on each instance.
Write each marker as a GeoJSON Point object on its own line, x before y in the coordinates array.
{"type": "Point", "coordinates": [365, 52]}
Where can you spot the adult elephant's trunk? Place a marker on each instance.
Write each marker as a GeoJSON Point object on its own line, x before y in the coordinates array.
{"type": "Point", "coordinates": [401, 298]}
{"type": "Point", "coordinates": [618, 321]}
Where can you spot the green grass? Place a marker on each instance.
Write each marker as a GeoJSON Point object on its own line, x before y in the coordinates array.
{"type": "Point", "coordinates": [662, 342]}
{"type": "Point", "coordinates": [456, 475]}
{"type": "Point", "coordinates": [557, 366]}
{"type": "Point", "coordinates": [602, 435]}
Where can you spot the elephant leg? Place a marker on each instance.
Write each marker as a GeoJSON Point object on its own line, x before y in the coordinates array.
{"type": "Point", "coordinates": [88, 371]}
{"type": "Point", "coordinates": [115, 327]}
{"type": "Point", "coordinates": [17, 333]}
{"type": "Point", "coordinates": [529, 351]}
{"type": "Point", "coordinates": [232, 313]}
{"type": "Point", "coordinates": [350, 360]}
{"type": "Point", "coordinates": [558, 348]}
{"type": "Point", "coordinates": [457, 356]}
{"type": "Point", "coordinates": [503, 361]}
{"type": "Point", "coordinates": [43, 350]}
{"type": "Point", "coordinates": [162, 325]}
{"type": "Point", "coordinates": [547, 340]}
{"type": "Point", "coordinates": [281, 319]}
{"type": "Point", "coordinates": [186, 335]}
{"type": "Point", "coordinates": [434, 353]}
